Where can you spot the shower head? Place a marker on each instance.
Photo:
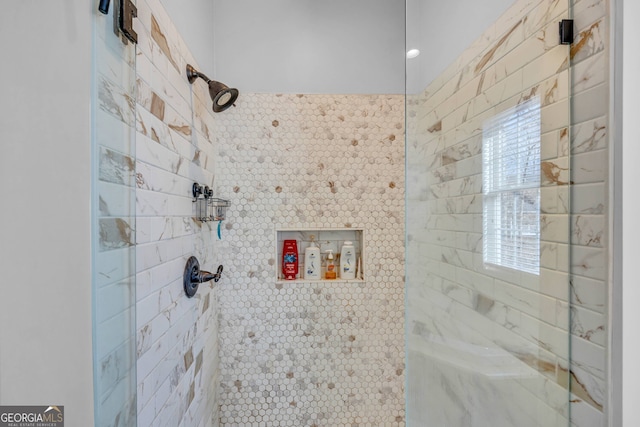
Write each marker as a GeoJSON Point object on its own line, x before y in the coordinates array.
{"type": "Point", "coordinates": [222, 96]}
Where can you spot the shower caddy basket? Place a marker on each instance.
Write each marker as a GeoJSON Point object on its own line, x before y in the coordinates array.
{"type": "Point", "coordinates": [208, 208]}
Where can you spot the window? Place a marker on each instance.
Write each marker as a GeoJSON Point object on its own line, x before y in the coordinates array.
{"type": "Point", "coordinates": [511, 188]}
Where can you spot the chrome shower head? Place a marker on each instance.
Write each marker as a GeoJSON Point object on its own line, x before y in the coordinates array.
{"type": "Point", "coordinates": [222, 96]}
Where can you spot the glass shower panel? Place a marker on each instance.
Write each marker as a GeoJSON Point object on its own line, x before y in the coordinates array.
{"type": "Point", "coordinates": [488, 171]}
{"type": "Point", "coordinates": [113, 224]}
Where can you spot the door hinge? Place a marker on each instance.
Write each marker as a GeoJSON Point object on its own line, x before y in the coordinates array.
{"type": "Point", "coordinates": [566, 31]}
{"type": "Point", "coordinates": [126, 12]}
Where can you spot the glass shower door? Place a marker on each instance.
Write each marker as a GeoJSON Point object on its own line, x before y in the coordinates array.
{"type": "Point", "coordinates": [113, 224]}
{"type": "Point", "coordinates": [488, 215]}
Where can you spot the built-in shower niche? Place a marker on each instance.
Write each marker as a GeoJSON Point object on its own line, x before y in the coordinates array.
{"type": "Point", "coordinates": [326, 239]}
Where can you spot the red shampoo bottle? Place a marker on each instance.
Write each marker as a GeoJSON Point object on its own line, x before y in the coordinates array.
{"type": "Point", "coordinates": [290, 259]}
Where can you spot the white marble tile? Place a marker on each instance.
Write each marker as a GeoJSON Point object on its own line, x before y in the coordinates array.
{"type": "Point", "coordinates": [545, 66]}
{"type": "Point", "coordinates": [589, 262]}
{"type": "Point", "coordinates": [549, 282]}
{"type": "Point", "coordinates": [115, 100]}
{"type": "Point", "coordinates": [588, 199]}
{"type": "Point", "coordinates": [114, 265]}
{"type": "Point", "coordinates": [551, 338]}
{"type": "Point", "coordinates": [174, 89]}
{"type": "Point", "coordinates": [588, 230]}
{"type": "Point", "coordinates": [589, 325]}
{"type": "Point", "coordinates": [554, 228]}
{"type": "Point", "coordinates": [549, 144]}
{"type": "Point", "coordinates": [116, 69]}
{"type": "Point", "coordinates": [588, 293]}
{"type": "Point", "coordinates": [151, 203]}
{"type": "Point", "coordinates": [590, 135]}
{"type": "Point", "coordinates": [114, 332]}
{"type": "Point", "coordinates": [551, 201]}
{"type": "Point", "coordinates": [555, 172]}
{"type": "Point", "coordinates": [554, 116]}
{"type": "Point", "coordinates": [113, 298]}
{"type": "Point", "coordinates": [589, 167]}
{"type": "Point", "coordinates": [526, 301]}
{"type": "Point", "coordinates": [589, 40]}
{"type": "Point", "coordinates": [590, 104]}
{"type": "Point", "coordinates": [585, 415]}
{"type": "Point", "coordinates": [587, 381]}
{"type": "Point", "coordinates": [589, 73]}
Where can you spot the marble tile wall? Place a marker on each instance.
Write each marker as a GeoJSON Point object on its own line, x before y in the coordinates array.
{"type": "Point", "coordinates": [177, 337]}
{"type": "Point", "coordinates": [296, 353]}
{"type": "Point", "coordinates": [496, 340]}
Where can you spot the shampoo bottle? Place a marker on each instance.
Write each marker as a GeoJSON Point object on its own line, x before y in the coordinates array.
{"type": "Point", "coordinates": [330, 274]}
{"type": "Point", "coordinates": [312, 262]}
{"type": "Point", "coordinates": [348, 261]}
{"type": "Point", "coordinates": [290, 259]}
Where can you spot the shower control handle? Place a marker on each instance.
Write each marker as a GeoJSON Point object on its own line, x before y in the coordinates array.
{"type": "Point", "coordinates": [193, 276]}
{"type": "Point", "coordinates": [205, 276]}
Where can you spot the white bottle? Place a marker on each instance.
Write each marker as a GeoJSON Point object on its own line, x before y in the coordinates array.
{"type": "Point", "coordinates": [312, 262]}
{"type": "Point", "coordinates": [348, 261]}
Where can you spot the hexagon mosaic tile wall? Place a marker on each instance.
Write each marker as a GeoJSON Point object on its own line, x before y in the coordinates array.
{"type": "Point", "coordinates": [311, 353]}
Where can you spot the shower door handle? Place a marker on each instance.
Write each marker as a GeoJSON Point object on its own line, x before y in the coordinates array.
{"type": "Point", "coordinates": [128, 11]}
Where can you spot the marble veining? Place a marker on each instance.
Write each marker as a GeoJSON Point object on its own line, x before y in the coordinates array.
{"type": "Point", "coordinates": [177, 338]}
{"type": "Point", "coordinates": [452, 294]}
{"type": "Point", "coordinates": [331, 354]}
{"type": "Point", "coordinates": [158, 36]}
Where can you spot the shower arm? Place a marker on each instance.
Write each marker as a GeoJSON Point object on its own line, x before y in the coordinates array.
{"type": "Point", "coordinates": [193, 74]}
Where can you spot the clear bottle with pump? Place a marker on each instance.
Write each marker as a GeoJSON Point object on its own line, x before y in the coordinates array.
{"type": "Point", "coordinates": [348, 261]}
{"type": "Point", "coordinates": [312, 266]}
{"type": "Point", "coordinates": [330, 274]}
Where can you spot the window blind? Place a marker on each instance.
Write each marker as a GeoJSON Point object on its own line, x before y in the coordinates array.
{"type": "Point", "coordinates": [511, 188]}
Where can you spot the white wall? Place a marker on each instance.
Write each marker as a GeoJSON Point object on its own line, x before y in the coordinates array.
{"type": "Point", "coordinates": [45, 292]}
{"type": "Point", "coordinates": [309, 46]}
{"type": "Point", "coordinates": [194, 20]}
{"type": "Point", "coordinates": [358, 46]}
{"type": "Point", "coordinates": [631, 207]}
{"type": "Point", "coordinates": [442, 30]}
